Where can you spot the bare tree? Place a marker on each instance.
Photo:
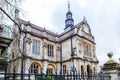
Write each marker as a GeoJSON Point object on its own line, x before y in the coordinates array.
{"type": "Point", "coordinates": [7, 9]}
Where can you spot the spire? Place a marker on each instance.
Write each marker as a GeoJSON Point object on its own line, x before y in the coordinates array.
{"type": "Point", "coordinates": [84, 20]}
{"type": "Point", "coordinates": [68, 6]}
{"type": "Point", "coordinates": [69, 22]}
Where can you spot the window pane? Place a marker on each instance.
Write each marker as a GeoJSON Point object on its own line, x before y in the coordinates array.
{"type": "Point", "coordinates": [34, 68]}
{"type": "Point", "coordinates": [38, 47]}
{"type": "Point", "coordinates": [50, 50]}
{"type": "Point", "coordinates": [33, 46]}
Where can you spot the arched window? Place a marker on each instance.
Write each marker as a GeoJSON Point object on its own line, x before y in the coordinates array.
{"type": "Point", "coordinates": [64, 69]}
{"type": "Point", "coordinates": [87, 49]}
{"type": "Point", "coordinates": [50, 69]}
{"type": "Point", "coordinates": [82, 70]}
{"type": "Point", "coordinates": [89, 71]}
{"type": "Point", "coordinates": [35, 68]}
{"type": "Point", "coordinates": [94, 70]}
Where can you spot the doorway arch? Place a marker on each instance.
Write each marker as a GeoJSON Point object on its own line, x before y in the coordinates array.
{"type": "Point", "coordinates": [88, 70]}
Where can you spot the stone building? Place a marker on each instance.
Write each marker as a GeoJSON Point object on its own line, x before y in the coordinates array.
{"type": "Point", "coordinates": [37, 49]}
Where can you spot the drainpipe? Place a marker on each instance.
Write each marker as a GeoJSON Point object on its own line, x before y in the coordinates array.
{"type": "Point", "coordinates": [61, 58]}
{"type": "Point", "coordinates": [22, 57]}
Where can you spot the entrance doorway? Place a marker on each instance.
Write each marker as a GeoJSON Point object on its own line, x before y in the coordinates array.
{"type": "Point", "coordinates": [88, 70]}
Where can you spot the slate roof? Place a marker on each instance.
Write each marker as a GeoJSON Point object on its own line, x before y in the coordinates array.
{"type": "Point", "coordinates": [38, 31]}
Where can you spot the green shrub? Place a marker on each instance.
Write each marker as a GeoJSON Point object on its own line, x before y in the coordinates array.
{"type": "Point", "coordinates": [50, 77]}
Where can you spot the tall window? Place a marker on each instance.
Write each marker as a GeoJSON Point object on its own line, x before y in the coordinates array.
{"type": "Point", "coordinates": [64, 69]}
{"type": "Point", "coordinates": [36, 47]}
{"type": "Point", "coordinates": [82, 71]}
{"type": "Point", "coordinates": [50, 70]}
{"type": "Point", "coordinates": [87, 50]}
{"type": "Point", "coordinates": [50, 50]}
{"type": "Point", "coordinates": [34, 68]}
{"type": "Point", "coordinates": [94, 70]}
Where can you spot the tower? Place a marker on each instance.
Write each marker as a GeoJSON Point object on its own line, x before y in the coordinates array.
{"type": "Point", "coordinates": [69, 22]}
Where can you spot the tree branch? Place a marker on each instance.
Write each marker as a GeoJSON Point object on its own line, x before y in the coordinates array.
{"type": "Point", "coordinates": [10, 18]}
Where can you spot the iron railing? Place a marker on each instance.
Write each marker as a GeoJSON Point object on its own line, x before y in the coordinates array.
{"type": "Point", "coordinates": [42, 76]}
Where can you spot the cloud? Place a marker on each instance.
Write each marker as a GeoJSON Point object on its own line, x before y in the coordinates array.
{"type": "Point", "coordinates": [102, 16]}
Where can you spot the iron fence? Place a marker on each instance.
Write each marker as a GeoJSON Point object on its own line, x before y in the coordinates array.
{"type": "Point", "coordinates": [42, 76]}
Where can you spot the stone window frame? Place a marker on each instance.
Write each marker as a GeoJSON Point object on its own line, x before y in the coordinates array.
{"type": "Point", "coordinates": [50, 70]}
{"type": "Point", "coordinates": [34, 68]}
{"type": "Point", "coordinates": [35, 46]}
{"type": "Point", "coordinates": [64, 69]}
{"type": "Point", "coordinates": [87, 49]}
{"type": "Point", "coordinates": [50, 48]}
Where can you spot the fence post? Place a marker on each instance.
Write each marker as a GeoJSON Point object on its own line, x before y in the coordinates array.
{"type": "Point", "coordinates": [76, 75]}
{"type": "Point", "coordinates": [56, 75]}
{"type": "Point", "coordinates": [67, 75]}
{"type": "Point", "coordinates": [71, 76]}
{"type": "Point", "coordinates": [41, 75]}
{"type": "Point", "coordinates": [79, 76]}
{"type": "Point", "coordinates": [109, 77]}
{"type": "Point", "coordinates": [14, 74]}
{"type": "Point", "coordinates": [29, 75]}
{"type": "Point", "coordinates": [35, 74]}
{"type": "Point", "coordinates": [5, 72]}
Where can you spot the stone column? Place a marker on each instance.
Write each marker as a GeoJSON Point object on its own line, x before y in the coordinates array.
{"type": "Point", "coordinates": [19, 66]}
{"type": "Point", "coordinates": [45, 65]}
{"type": "Point", "coordinates": [45, 55]}
{"type": "Point", "coordinates": [27, 65]}
{"type": "Point", "coordinates": [58, 68]}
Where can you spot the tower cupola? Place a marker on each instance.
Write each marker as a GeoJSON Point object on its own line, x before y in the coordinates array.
{"type": "Point", "coordinates": [69, 22]}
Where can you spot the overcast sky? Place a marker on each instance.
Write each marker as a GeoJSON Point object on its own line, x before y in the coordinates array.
{"type": "Point", "coordinates": [103, 17]}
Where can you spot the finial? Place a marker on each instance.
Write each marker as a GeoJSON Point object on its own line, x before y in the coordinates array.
{"type": "Point", "coordinates": [68, 5]}
{"type": "Point", "coordinates": [110, 54]}
{"type": "Point", "coordinates": [84, 20]}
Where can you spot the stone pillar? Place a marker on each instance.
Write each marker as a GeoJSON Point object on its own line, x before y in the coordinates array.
{"type": "Point", "coordinates": [45, 65]}
{"type": "Point", "coordinates": [19, 66]}
{"type": "Point", "coordinates": [85, 68]}
{"type": "Point", "coordinates": [45, 55]}
{"type": "Point", "coordinates": [75, 63]}
{"type": "Point", "coordinates": [27, 66]}
{"type": "Point", "coordinates": [58, 68]}
{"type": "Point", "coordinates": [77, 47]}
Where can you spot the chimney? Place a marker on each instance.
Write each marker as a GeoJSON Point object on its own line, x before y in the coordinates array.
{"type": "Point", "coordinates": [16, 13]}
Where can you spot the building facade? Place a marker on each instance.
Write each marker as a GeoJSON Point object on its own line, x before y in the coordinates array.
{"type": "Point", "coordinates": [37, 49]}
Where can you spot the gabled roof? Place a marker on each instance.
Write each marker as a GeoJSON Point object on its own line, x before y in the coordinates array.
{"type": "Point", "coordinates": [38, 31]}
{"type": "Point", "coordinates": [36, 27]}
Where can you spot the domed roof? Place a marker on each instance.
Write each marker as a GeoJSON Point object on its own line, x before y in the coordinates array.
{"type": "Point", "coordinates": [110, 64]}
{"type": "Point", "coordinates": [69, 12]}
